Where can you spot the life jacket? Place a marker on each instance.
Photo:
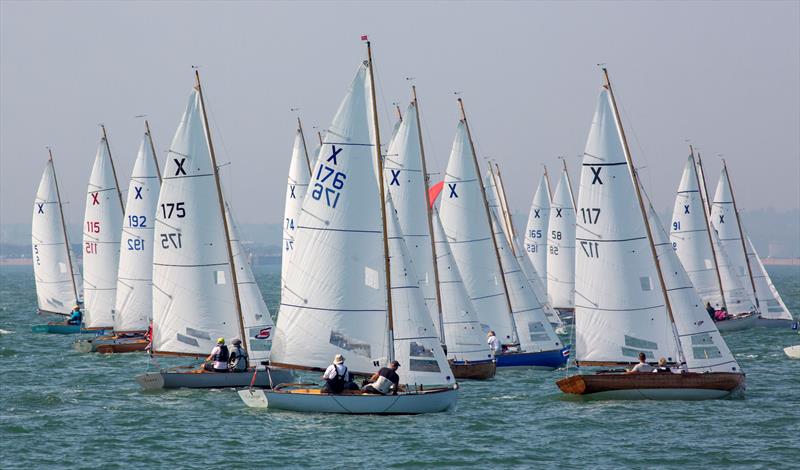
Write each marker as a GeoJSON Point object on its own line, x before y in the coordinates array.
{"type": "Point", "coordinates": [720, 315]}
{"type": "Point", "coordinates": [222, 355]}
{"type": "Point", "coordinates": [382, 385]}
{"type": "Point", "coordinates": [238, 360]}
{"type": "Point", "coordinates": [337, 383]}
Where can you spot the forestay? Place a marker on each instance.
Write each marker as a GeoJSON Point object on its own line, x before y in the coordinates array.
{"type": "Point", "coordinates": [462, 329]}
{"type": "Point", "coordinates": [193, 295]}
{"type": "Point", "coordinates": [619, 308]}
{"type": "Point", "coordinates": [335, 294]}
{"type": "Point", "coordinates": [536, 231]}
{"type": "Point", "coordinates": [561, 246]}
{"type": "Point", "coordinates": [134, 301]}
{"type": "Point", "coordinates": [102, 229]}
{"type": "Point", "coordinates": [769, 300]}
{"type": "Point", "coordinates": [57, 280]}
{"type": "Point", "coordinates": [463, 217]}
{"type": "Point", "coordinates": [295, 192]}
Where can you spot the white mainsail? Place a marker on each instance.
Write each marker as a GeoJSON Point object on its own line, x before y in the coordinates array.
{"type": "Point", "coordinates": [405, 180]}
{"type": "Point", "coordinates": [134, 300]}
{"type": "Point", "coordinates": [536, 231]}
{"type": "Point", "coordinates": [769, 300]}
{"type": "Point", "coordinates": [620, 308]}
{"type": "Point", "coordinates": [102, 230]}
{"type": "Point", "coordinates": [296, 187]}
{"type": "Point", "coordinates": [193, 295]}
{"type": "Point", "coordinates": [462, 329]}
{"type": "Point", "coordinates": [561, 246]}
{"type": "Point", "coordinates": [464, 219]}
{"type": "Point", "coordinates": [57, 279]}
{"type": "Point", "coordinates": [335, 294]}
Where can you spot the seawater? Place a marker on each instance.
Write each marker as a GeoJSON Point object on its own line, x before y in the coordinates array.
{"type": "Point", "coordinates": [63, 409]}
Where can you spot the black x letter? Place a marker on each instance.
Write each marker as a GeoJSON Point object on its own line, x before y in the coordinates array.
{"type": "Point", "coordinates": [395, 174]}
{"type": "Point", "coordinates": [558, 211]}
{"type": "Point", "coordinates": [41, 207]}
{"type": "Point", "coordinates": [334, 154]}
{"type": "Point", "coordinates": [685, 209]}
{"type": "Point", "coordinates": [536, 213]}
{"type": "Point", "coordinates": [179, 170]}
{"type": "Point", "coordinates": [722, 219]}
{"type": "Point", "coordinates": [452, 190]}
{"type": "Point", "coordinates": [596, 174]}
{"type": "Point", "coordinates": [291, 195]}
{"type": "Point", "coordinates": [138, 190]}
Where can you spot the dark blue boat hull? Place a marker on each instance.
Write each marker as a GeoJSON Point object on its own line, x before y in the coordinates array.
{"type": "Point", "coordinates": [546, 360]}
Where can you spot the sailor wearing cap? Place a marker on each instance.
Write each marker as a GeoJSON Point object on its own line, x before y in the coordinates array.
{"type": "Point", "coordinates": [384, 381]}
{"type": "Point", "coordinates": [217, 361]}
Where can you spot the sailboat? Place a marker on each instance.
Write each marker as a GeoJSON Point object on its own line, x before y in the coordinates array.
{"type": "Point", "coordinates": [774, 312]}
{"type": "Point", "coordinates": [536, 230]}
{"type": "Point", "coordinates": [703, 256]}
{"type": "Point", "coordinates": [102, 231]}
{"type": "Point", "coordinates": [202, 285]}
{"type": "Point", "coordinates": [57, 278]}
{"type": "Point", "coordinates": [632, 294]}
{"type": "Point", "coordinates": [561, 246]}
{"type": "Point", "coordinates": [133, 307]}
{"type": "Point", "coordinates": [296, 187]}
{"type": "Point", "coordinates": [353, 290]}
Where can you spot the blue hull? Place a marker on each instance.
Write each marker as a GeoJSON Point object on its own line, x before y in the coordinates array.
{"type": "Point", "coordinates": [548, 360]}
{"type": "Point", "coordinates": [61, 329]}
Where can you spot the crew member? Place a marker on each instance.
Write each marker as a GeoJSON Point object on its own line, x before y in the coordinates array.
{"type": "Point", "coordinates": [385, 380]}
{"type": "Point", "coordinates": [217, 361]}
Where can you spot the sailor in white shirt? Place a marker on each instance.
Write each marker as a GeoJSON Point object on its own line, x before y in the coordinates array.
{"type": "Point", "coordinates": [494, 343]}
{"type": "Point", "coordinates": [642, 366]}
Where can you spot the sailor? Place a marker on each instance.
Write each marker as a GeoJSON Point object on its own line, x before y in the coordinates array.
{"type": "Point", "coordinates": [662, 366]}
{"type": "Point", "coordinates": [238, 360]}
{"type": "Point", "coordinates": [710, 310]}
{"type": "Point", "coordinates": [385, 380]}
{"type": "Point", "coordinates": [642, 366]}
{"type": "Point", "coordinates": [76, 317]}
{"type": "Point", "coordinates": [217, 361]}
{"type": "Point", "coordinates": [336, 377]}
{"type": "Point", "coordinates": [494, 343]}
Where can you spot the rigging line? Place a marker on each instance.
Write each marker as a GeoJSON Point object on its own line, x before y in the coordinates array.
{"type": "Point", "coordinates": [629, 126]}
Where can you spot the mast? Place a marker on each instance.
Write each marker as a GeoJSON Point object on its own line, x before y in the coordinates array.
{"type": "Point", "coordinates": [379, 158]}
{"type": "Point", "coordinates": [63, 226]}
{"type": "Point", "coordinates": [113, 169]}
{"type": "Point", "coordinates": [428, 212]}
{"type": "Point", "coordinates": [708, 229]}
{"type": "Point", "coordinates": [645, 218]}
{"type": "Point", "coordinates": [399, 113]}
{"type": "Point", "coordinates": [488, 217]}
{"type": "Point", "coordinates": [547, 181]}
{"type": "Point", "coordinates": [303, 137]}
{"type": "Point", "coordinates": [319, 137]}
{"type": "Point", "coordinates": [221, 200]}
{"type": "Point", "coordinates": [566, 171]}
{"type": "Point", "coordinates": [741, 233]}
{"type": "Point", "coordinates": [153, 148]}
{"type": "Point", "coordinates": [501, 196]}
{"type": "Point", "coordinates": [704, 189]}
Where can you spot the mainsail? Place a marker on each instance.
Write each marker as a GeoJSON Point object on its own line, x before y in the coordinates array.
{"type": "Point", "coordinates": [536, 231]}
{"type": "Point", "coordinates": [102, 230]}
{"type": "Point", "coordinates": [299, 175]}
{"type": "Point", "coordinates": [134, 300]}
{"type": "Point", "coordinates": [769, 300]}
{"type": "Point", "coordinates": [561, 245]}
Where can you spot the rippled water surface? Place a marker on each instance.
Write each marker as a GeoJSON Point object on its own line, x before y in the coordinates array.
{"type": "Point", "coordinates": [64, 409]}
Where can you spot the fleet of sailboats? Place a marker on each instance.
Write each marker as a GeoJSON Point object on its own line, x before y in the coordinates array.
{"type": "Point", "coordinates": [373, 270]}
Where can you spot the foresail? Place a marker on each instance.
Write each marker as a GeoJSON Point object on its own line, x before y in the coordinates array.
{"type": "Point", "coordinates": [193, 298]}
{"type": "Point", "coordinates": [769, 300]}
{"type": "Point", "coordinates": [561, 247]}
{"type": "Point", "coordinates": [296, 189]}
{"type": "Point", "coordinates": [737, 298]}
{"type": "Point", "coordinates": [335, 294]}
{"type": "Point", "coordinates": [536, 231]}
{"type": "Point", "coordinates": [102, 229]}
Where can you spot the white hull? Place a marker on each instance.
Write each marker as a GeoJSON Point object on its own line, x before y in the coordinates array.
{"type": "Point", "coordinates": [774, 322]}
{"type": "Point", "coordinates": [738, 323]}
{"type": "Point", "coordinates": [660, 394]}
{"type": "Point", "coordinates": [793, 351]}
{"type": "Point", "coordinates": [412, 403]}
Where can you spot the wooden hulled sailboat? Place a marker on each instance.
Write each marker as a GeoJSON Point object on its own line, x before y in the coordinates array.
{"type": "Point", "coordinates": [202, 285]}
{"type": "Point", "coordinates": [632, 294]}
{"type": "Point", "coordinates": [352, 289]}
{"type": "Point", "coordinates": [57, 278]}
{"type": "Point", "coordinates": [561, 246]}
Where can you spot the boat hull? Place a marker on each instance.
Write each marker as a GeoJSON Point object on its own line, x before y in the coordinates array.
{"type": "Point", "coordinates": [774, 322]}
{"type": "Point", "coordinates": [481, 370]}
{"type": "Point", "coordinates": [654, 386]}
{"type": "Point", "coordinates": [175, 378]}
{"type": "Point", "coordinates": [62, 329]}
{"type": "Point", "coordinates": [111, 344]}
{"type": "Point", "coordinates": [738, 322]}
{"type": "Point", "coordinates": [543, 360]}
{"type": "Point", "coordinates": [793, 351]}
{"type": "Point", "coordinates": [312, 401]}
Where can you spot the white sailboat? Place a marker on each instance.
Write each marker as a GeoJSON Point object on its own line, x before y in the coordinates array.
{"type": "Point", "coordinates": [774, 312]}
{"type": "Point", "coordinates": [353, 290]}
{"type": "Point", "coordinates": [561, 246]}
{"type": "Point", "coordinates": [57, 278]}
{"type": "Point", "coordinates": [536, 230]}
{"type": "Point", "coordinates": [102, 230]}
{"type": "Point", "coordinates": [632, 295]}
{"type": "Point", "coordinates": [296, 187]}
{"type": "Point", "coordinates": [197, 293]}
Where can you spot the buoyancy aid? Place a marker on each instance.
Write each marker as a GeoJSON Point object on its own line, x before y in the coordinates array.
{"type": "Point", "coordinates": [238, 359]}
{"type": "Point", "coordinates": [221, 355]}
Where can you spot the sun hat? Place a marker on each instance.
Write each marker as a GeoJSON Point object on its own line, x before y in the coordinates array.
{"type": "Point", "coordinates": [339, 359]}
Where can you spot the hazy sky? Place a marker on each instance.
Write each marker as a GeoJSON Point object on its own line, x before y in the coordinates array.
{"type": "Point", "coordinates": [724, 74]}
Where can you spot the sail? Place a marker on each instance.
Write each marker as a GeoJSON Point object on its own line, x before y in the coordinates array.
{"type": "Point", "coordinates": [536, 231]}
{"type": "Point", "coordinates": [463, 216]}
{"type": "Point", "coordinates": [725, 220]}
{"type": "Point", "coordinates": [335, 294]}
{"type": "Point", "coordinates": [102, 230]}
{"type": "Point", "coordinates": [619, 304]}
{"type": "Point", "coordinates": [462, 329]}
{"type": "Point", "coordinates": [256, 319]}
{"type": "Point", "coordinates": [536, 283]}
{"type": "Point", "coordinates": [561, 247]}
{"type": "Point", "coordinates": [703, 347]}
{"type": "Point", "coordinates": [193, 298]}
{"type": "Point", "coordinates": [737, 298]}
{"type": "Point", "coordinates": [295, 192]}
{"type": "Point", "coordinates": [769, 300]}
{"type": "Point", "coordinates": [134, 301]}
{"type": "Point", "coordinates": [416, 342]}
{"type": "Point", "coordinates": [56, 280]}
{"type": "Point", "coordinates": [405, 181]}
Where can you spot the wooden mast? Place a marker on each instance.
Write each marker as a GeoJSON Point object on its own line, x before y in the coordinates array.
{"type": "Point", "coordinates": [566, 172]}
{"type": "Point", "coordinates": [379, 158]}
{"type": "Point", "coordinates": [113, 169]}
{"type": "Point", "coordinates": [547, 182]}
{"type": "Point", "coordinates": [501, 196]}
{"type": "Point", "coordinates": [645, 218]}
{"type": "Point", "coordinates": [399, 113]}
{"type": "Point", "coordinates": [708, 228]}
{"type": "Point", "coordinates": [741, 233]}
{"type": "Point", "coordinates": [704, 188]}
{"type": "Point", "coordinates": [64, 227]}
{"type": "Point", "coordinates": [221, 200]}
{"type": "Point", "coordinates": [153, 148]}
{"type": "Point", "coordinates": [488, 218]}
{"type": "Point", "coordinates": [428, 212]}
{"type": "Point", "coordinates": [303, 138]}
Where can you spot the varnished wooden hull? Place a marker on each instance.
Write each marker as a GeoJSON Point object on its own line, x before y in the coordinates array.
{"type": "Point", "coordinates": [111, 344]}
{"type": "Point", "coordinates": [654, 386]}
{"type": "Point", "coordinates": [473, 370]}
